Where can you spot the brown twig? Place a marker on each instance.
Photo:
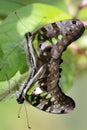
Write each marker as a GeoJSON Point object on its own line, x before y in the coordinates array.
{"type": "Point", "coordinates": [78, 50]}
{"type": "Point", "coordinates": [82, 4]}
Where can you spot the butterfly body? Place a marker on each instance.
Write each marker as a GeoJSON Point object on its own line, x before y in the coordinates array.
{"type": "Point", "coordinates": [51, 40]}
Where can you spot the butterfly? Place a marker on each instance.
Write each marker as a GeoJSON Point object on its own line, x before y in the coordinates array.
{"type": "Point", "coordinates": [41, 88]}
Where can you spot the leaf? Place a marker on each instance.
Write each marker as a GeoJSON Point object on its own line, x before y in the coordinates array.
{"type": "Point", "coordinates": [12, 30]}
{"type": "Point", "coordinates": [66, 80]}
{"type": "Point", "coordinates": [8, 6]}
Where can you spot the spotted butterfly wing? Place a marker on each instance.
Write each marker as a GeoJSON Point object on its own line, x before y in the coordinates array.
{"type": "Point", "coordinates": [52, 40]}
{"type": "Point", "coordinates": [60, 33]}
{"type": "Point", "coordinates": [51, 98]}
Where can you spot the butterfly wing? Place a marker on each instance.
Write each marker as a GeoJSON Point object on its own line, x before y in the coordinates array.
{"type": "Point", "coordinates": [51, 98]}
{"type": "Point", "coordinates": [54, 102]}
{"type": "Point", "coordinates": [60, 33]}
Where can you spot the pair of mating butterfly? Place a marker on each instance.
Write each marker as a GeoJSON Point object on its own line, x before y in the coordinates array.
{"type": "Point", "coordinates": [42, 89]}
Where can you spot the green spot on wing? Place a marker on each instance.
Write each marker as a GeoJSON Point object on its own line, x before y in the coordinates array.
{"type": "Point", "coordinates": [30, 91]}
{"type": "Point", "coordinates": [35, 97]}
{"type": "Point", "coordinates": [43, 94]}
{"type": "Point", "coordinates": [48, 42]}
{"type": "Point", "coordinates": [41, 37]}
{"type": "Point", "coordinates": [52, 99]}
{"type": "Point", "coordinates": [34, 102]}
{"type": "Point", "coordinates": [35, 43]}
{"type": "Point", "coordinates": [48, 96]}
{"type": "Point", "coordinates": [44, 54]}
{"type": "Point", "coordinates": [41, 32]}
{"type": "Point", "coordinates": [54, 40]}
{"type": "Point", "coordinates": [60, 36]}
{"type": "Point", "coordinates": [29, 98]}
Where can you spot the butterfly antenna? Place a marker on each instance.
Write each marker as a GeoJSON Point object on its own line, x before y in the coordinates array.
{"type": "Point", "coordinates": [8, 83]}
{"type": "Point", "coordinates": [6, 93]}
{"type": "Point", "coordinates": [77, 11]}
{"type": "Point", "coordinates": [76, 14]}
{"type": "Point", "coordinates": [27, 116]}
{"type": "Point", "coordinates": [19, 111]}
{"type": "Point", "coordinates": [20, 20]}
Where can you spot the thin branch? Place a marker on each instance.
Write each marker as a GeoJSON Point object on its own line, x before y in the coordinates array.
{"type": "Point", "coordinates": [82, 4]}
{"type": "Point", "coordinates": [78, 50]}
{"type": "Point", "coordinates": [13, 88]}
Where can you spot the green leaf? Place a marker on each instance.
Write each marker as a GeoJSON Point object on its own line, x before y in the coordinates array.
{"type": "Point", "coordinates": [12, 30]}
{"type": "Point", "coordinates": [8, 6]}
{"type": "Point", "coordinates": [66, 80]}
